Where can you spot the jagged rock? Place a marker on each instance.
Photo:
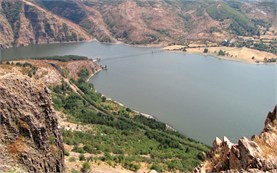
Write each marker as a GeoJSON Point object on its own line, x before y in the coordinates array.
{"type": "Point", "coordinates": [217, 142]}
{"type": "Point", "coordinates": [29, 135]}
{"type": "Point", "coordinates": [256, 155]}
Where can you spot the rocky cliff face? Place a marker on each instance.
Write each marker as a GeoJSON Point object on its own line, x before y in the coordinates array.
{"type": "Point", "coordinates": [256, 155]}
{"type": "Point", "coordinates": [23, 23]}
{"type": "Point", "coordinates": [29, 136]}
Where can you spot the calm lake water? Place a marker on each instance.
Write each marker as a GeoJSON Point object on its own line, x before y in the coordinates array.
{"type": "Point", "coordinates": [200, 96]}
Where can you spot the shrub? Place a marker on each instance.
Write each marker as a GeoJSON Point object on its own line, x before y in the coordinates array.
{"type": "Point", "coordinates": [104, 99]}
{"type": "Point", "coordinates": [78, 150]}
{"type": "Point", "coordinates": [88, 148]}
{"type": "Point", "coordinates": [156, 167]}
{"type": "Point", "coordinates": [82, 157]}
{"type": "Point", "coordinates": [74, 171]}
{"type": "Point", "coordinates": [85, 167]}
{"type": "Point", "coordinates": [26, 64]}
{"type": "Point", "coordinates": [66, 153]}
{"type": "Point", "coordinates": [72, 159]}
{"type": "Point", "coordinates": [221, 53]}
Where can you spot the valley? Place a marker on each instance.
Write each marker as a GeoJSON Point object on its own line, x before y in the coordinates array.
{"type": "Point", "coordinates": [138, 86]}
{"type": "Point", "coordinates": [93, 128]}
{"type": "Point", "coordinates": [138, 22]}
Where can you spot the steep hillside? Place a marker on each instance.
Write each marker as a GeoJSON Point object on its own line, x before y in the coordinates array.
{"type": "Point", "coordinates": [30, 140]}
{"type": "Point", "coordinates": [143, 22]}
{"type": "Point", "coordinates": [23, 23]}
{"type": "Point", "coordinates": [99, 133]}
{"type": "Point", "coordinates": [163, 21]}
{"type": "Point", "coordinates": [256, 155]}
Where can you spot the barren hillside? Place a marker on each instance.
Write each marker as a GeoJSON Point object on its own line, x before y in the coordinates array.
{"type": "Point", "coordinates": [133, 21]}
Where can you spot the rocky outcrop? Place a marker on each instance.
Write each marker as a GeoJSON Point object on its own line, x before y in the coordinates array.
{"type": "Point", "coordinates": [256, 155]}
{"type": "Point", "coordinates": [29, 136]}
{"type": "Point", "coordinates": [24, 22]}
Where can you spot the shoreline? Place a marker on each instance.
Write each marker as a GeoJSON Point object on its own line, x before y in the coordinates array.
{"type": "Point", "coordinates": [88, 41]}
{"type": "Point", "coordinates": [143, 114]}
{"type": "Point", "coordinates": [178, 49]}
{"type": "Point", "coordinates": [45, 43]}
{"type": "Point", "coordinates": [168, 126]}
{"type": "Point", "coordinates": [97, 71]}
{"type": "Point", "coordinates": [233, 53]}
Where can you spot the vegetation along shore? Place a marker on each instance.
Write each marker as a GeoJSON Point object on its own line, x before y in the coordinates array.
{"type": "Point", "coordinates": [98, 132]}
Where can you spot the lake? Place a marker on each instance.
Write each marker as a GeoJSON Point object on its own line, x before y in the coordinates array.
{"type": "Point", "coordinates": [200, 96]}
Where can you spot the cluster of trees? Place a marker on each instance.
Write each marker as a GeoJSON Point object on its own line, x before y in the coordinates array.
{"type": "Point", "coordinates": [270, 60]}
{"type": "Point", "coordinates": [271, 47]}
{"type": "Point", "coordinates": [30, 70]}
{"type": "Point", "coordinates": [65, 58]}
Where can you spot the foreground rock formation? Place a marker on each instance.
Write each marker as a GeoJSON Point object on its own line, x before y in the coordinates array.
{"type": "Point", "coordinates": [256, 155]}
{"type": "Point", "coordinates": [29, 137]}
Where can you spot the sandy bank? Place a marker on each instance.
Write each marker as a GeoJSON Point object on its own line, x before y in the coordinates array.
{"type": "Point", "coordinates": [243, 54]}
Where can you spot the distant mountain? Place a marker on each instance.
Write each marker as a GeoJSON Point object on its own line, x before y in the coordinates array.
{"type": "Point", "coordinates": [23, 23]}
{"type": "Point", "coordinates": [134, 21]}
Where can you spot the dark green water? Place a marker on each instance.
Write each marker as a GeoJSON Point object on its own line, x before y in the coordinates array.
{"type": "Point", "coordinates": [202, 97]}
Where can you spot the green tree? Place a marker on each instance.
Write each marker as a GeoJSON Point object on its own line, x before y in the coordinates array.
{"type": "Point", "coordinates": [221, 53]}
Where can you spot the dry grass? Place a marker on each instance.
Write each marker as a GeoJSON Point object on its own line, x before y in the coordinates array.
{"type": "Point", "coordinates": [266, 148]}
{"type": "Point", "coordinates": [240, 54]}
{"type": "Point", "coordinates": [174, 47]}
{"type": "Point", "coordinates": [17, 147]}
{"type": "Point", "coordinates": [233, 53]}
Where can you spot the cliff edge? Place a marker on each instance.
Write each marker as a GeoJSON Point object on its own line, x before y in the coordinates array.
{"type": "Point", "coordinates": [256, 155]}
{"type": "Point", "coordinates": [29, 137]}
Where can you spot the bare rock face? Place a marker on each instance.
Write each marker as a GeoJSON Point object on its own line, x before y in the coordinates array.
{"type": "Point", "coordinates": [23, 23]}
{"type": "Point", "coordinates": [256, 155]}
{"type": "Point", "coordinates": [29, 136]}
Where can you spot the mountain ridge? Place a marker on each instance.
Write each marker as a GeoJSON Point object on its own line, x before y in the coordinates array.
{"type": "Point", "coordinates": [141, 22]}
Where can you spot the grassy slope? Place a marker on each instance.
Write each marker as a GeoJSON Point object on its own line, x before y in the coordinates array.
{"type": "Point", "coordinates": [123, 136]}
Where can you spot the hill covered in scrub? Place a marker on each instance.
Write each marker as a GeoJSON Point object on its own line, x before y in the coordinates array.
{"type": "Point", "coordinates": [144, 22]}
{"type": "Point", "coordinates": [98, 134]}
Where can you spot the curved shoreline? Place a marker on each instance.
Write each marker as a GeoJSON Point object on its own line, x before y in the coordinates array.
{"type": "Point", "coordinates": [243, 55]}
{"type": "Point", "coordinates": [162, 47]}
{"type": "Point", "coordinates": [88, 41]}
{"type": "Point", "coordinates": [136, 111]}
